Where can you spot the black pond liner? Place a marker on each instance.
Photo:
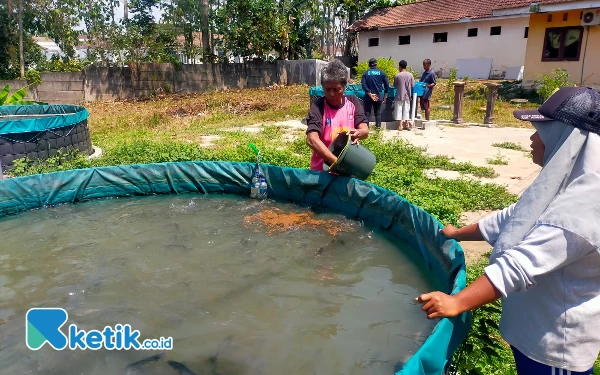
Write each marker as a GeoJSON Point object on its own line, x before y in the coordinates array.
{"type": "Point", "coordinates": [408, 224]}
{"type": "Point", "coordinates": [40, 131]}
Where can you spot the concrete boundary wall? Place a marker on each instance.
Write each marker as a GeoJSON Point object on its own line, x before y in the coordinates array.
{"type": "Point", "coordinates": [141, 80]}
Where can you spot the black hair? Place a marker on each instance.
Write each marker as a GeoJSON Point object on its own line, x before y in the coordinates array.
{"type": "Point", "coordinates": [427, 61]}
{"type": "Point", "coordinates": [403, 64]}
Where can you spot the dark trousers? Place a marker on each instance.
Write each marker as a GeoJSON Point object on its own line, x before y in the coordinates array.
{"type": "Point", "coordinates": [370, 104]}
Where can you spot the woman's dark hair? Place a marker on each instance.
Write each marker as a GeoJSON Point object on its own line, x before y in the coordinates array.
{"type": "Point", "coordinates": [403, 64]}
{"type": "Point", "coordinates": [335, 71]}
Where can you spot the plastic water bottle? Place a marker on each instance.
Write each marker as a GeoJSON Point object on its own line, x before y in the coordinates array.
{"type": "Point", "coordinates": [262, 192]}
{"type": "Point", "coordinates": [255, 187]}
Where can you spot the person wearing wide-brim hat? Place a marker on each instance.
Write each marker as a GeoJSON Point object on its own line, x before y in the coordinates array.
{"type": "Point", "coordinates": [545, 264]}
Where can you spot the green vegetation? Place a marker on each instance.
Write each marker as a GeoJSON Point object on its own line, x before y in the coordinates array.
{"type": "Point", "coordinates": [388, 66]}
{"type": "Point", "coordinates": [510, 146]}
{"type": "Point", "coordinates": [548, 83]}
{"type": "Point", "coordinates": [475, 101]}
{"type": "Point", "coordinates": [17, 98]}
{"type": "Point", "coordinates": [499, 159]}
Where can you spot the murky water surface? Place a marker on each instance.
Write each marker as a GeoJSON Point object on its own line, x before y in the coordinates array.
{"type": "Point", "coordinates": [236, 295]}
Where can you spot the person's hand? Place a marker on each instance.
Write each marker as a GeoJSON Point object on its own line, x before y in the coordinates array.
{"type": "Point", "coordinates": [439, 305]}
{"type": "Point", "coordinates": [355, 134]}
{"type": "Point", "coordinates": [450, 231]}
{"type": "Point", "coordinates": [374, 97]}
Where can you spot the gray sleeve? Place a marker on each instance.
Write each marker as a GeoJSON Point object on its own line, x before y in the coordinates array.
{"type": "Point", "coordinates": [546, 248]}
{"type": "Point", "coordinates": [491, 226]}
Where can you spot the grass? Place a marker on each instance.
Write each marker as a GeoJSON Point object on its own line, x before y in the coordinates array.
{"type": "Point", "coordinates": [474, 104]}
{"type": "Point", "coordinates": [510, 146]}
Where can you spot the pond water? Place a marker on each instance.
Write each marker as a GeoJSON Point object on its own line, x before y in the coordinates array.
{"type": "Point", "coordinates": [242, 287]}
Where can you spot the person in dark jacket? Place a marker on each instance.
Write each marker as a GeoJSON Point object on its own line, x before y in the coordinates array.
{"type": "Point", "coordinates": [374, 83]}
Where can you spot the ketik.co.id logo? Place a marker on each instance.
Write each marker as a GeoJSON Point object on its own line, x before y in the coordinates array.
{"type": "Point", "coordinates": [43, 326]}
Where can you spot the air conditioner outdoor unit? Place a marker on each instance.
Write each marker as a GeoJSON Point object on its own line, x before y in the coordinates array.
{"type": "Point", "coordinates": [590, 17]}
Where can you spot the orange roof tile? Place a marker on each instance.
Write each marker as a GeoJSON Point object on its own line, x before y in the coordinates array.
{"type": "Point", "coordinates": [434, 11]}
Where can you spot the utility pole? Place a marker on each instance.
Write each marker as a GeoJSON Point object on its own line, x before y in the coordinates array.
{"type": "Point", "coordinates": [125, 10]}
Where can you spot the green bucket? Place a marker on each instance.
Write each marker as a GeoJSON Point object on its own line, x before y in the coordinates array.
{"type": "Point", "coordinates": [352, 160]}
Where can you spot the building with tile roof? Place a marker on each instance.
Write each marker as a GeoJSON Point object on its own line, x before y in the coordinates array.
{"type": "Point", "coordinates": [483, 39]}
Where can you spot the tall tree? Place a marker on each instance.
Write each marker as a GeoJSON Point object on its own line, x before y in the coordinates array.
{"type": "Point", "coordinates": [249, 28]}
{"type": "Point", "coordinates": [206, 45]}
{"type": "Point", "coordinates": [21, 40]}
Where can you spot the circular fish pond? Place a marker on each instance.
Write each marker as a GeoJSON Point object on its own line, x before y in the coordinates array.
{"type": "Point", "coordinates": [40, 131]}
{"type": "Point", "coordinates": [229, 285]}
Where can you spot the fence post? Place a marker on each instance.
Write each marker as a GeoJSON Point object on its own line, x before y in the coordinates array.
{"type": "Point", "coordinates": [459, 94]}
{"type": "Point", "coordinates": [491, 102]}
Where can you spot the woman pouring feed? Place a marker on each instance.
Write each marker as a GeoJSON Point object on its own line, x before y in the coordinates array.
{"type": "Point", "coordinates": [333, 114]}
{"type": "Point", "coordinates": [545, 262]}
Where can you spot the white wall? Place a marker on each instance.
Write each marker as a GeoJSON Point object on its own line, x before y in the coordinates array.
{"type": "Point", "coordinates": [506, 50]}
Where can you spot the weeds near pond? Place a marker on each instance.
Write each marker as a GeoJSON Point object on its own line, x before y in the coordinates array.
{"type": "Point", "coordinates": [510, 146]}
{"type": "Point", "coordinates": [499, 159]}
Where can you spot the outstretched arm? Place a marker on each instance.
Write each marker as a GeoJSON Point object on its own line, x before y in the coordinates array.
{"type": "Point", "coordinates": [468, 233]}
{"type": "Point", "coordinates": [477, 294]}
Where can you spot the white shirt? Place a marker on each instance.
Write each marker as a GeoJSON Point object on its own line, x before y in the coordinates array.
{"type": "Point", "coordinates": [550, 283]}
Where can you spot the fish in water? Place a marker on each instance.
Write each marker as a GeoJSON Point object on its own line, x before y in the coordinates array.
{"type": "Point", "coordinates": [133, 368]}
{"type": "Point", "coordinates": [181, 368]}
{"type": "Point", "coordinates": [225, 342]}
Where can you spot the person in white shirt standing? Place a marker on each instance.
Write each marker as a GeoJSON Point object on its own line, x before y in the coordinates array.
{"type": "Point", "coordinates": [403, 83]}
{"type": "Point", "coordinates": [545, 262]}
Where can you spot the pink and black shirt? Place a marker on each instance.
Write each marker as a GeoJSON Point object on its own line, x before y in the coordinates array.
{"type": "Point", "coordinates": [329, 121]}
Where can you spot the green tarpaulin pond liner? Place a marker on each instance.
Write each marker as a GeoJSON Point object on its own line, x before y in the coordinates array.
{"type": "Point", "coordinates": [444, 258]}
{"type": "Point", "coordinates": [40, 131]}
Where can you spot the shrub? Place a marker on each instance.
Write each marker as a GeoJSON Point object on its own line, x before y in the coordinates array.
{"type": "Point", "coordinates": [549, 83]}
{"type": "Point", "coordinates": [33, 77]}
{"type": "Point", "coordinates": [413, 72]}
{"type": "Point", "coordinates": [388, 66]}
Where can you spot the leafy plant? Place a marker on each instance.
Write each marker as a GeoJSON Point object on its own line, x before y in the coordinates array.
{"type": "Point", "coordinates": [62, 161]}
{"type": "Point", "coordinates": [510, 146]}
{"type": "Point", "coordinates": [549, 83]}
{"type": "Point", "coordinates": [33, 77]}
{"type": "Point", "coordinates": [388, 66]}
{"type": "Point", "coordinates": [449, 94]}
{"type": "Point", "coordinates": [413, 72]}
{"type": "Point", "coordinates": [57, 64]}
{"type": "Point", "coordinates": [499, 159]}
{"type": "Point", "coordinates": [17, 98]}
